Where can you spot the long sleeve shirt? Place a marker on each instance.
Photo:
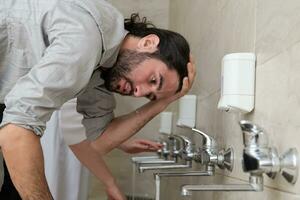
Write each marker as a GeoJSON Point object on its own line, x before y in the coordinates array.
{"type": "Point", "coordinates": [50, 52]}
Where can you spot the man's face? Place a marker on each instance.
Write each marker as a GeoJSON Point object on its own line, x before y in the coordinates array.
{"type": "Point", "coordinates": [136, 74]}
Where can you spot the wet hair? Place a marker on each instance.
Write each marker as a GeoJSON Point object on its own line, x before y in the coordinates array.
{"type": "Point", "coordinates": [173, 49]}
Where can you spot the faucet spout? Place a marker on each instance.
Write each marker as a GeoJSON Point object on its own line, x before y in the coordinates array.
{"type": "Point", "coordinates": [158, 161]}
{"type": "Point", "coordinates": [208, 141]}
{"type": "Point", "coordinates": [188, 189]}
{"type": "Point", "coordinates": [158, 167]}
{"type": "Point", "coordinates": [150, 160]}
{"type": "Point", "coordinates": [181, 174]}
{"type": "Point", "coordinates": [255, 184]}
{"type": "Point", "coordinates": [159, 175]}
{"type": "Point", "coordinates": [142, 158]}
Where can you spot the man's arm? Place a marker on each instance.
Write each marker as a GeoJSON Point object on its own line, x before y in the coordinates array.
{"type": "Point", "coordinates": [123, 127]}
{"type": "Point", "coordinates": [19, 145]}
{"type": "Point", "coordinates": [94, 162]}
{"type": "Point", "coordinates": [60, 74]}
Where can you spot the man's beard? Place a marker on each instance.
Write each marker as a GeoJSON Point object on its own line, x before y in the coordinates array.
{"type": "Point", "coordinates": [127, 61]}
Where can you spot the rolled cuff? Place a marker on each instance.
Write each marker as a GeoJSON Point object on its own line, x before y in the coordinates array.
{"type": "Point", "coordinates": [36, 129]}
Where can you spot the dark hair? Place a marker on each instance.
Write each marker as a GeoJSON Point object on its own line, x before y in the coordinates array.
{"type": "Point", "coordinates": [173, 49]}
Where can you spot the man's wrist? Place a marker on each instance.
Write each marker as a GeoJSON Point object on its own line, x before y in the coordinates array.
{"type": "Point", "coordinates": [122, 146]}
{"type": "Point", "coordinates": [110, 183]}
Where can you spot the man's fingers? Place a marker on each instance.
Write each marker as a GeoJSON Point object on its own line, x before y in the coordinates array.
{"type": "Point", "coordinates": [185, 85]}
{"type": "Point", "coordinates": [191, 70]}
{"type": "Point", "coordinates": [189, 80]}
{"type": "Point", "coordinates": [150, 143]}
{"type": "Point", "coordinates": [146, 148]}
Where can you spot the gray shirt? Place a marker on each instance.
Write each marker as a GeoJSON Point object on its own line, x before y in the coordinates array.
{"type": "Point", "coordinates": [50, 52]}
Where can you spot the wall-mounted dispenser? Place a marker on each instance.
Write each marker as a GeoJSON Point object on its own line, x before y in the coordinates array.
{"type": "Point", "coordinates": [187, 111]}
{"type": "Point", "coordinates": [238, 82]}
{"type": "Point", "coordinates": [166, 119]}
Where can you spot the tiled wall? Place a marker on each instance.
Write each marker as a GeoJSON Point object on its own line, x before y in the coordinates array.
{"type": "Point", "coordinates": [271, 30]}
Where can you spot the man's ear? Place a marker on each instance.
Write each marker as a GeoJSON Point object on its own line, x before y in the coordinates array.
{"type": "Point", "coordinates": [148, 43]}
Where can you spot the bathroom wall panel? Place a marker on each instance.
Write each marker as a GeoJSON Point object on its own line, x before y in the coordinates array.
{"type": "Point", "coordinates": [278, 27]}
{"type": "Point", "coordinates": [199, 22]}
{"type": "Point", "coordinates": [247, 26]}
{"type": "Point", "coordinates": [269, 28]}
{"type": "Point", "coordinates": [209, 121]}
{"type": "Point", "coordinates": [156, 11]}
{"type": "Point", "coordinates": [277, 104]}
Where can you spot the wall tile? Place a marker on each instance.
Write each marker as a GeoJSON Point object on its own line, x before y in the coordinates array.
{"type": "Point", "coordinates": [269, 28]}
{"type": "Point", "coordinates": [157, 11]}
{"type": "Point", "coordinates": [278, 27]}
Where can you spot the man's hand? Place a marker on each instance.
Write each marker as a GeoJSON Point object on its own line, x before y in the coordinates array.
{"type": "Point", "coordinates": [187, 82]}
{"type": "Point", "coordinates": [94, 162]}
{"type": "Point", "coordinates": [139, 145]}
{"type": "Point", "coordinates": [114, 193]}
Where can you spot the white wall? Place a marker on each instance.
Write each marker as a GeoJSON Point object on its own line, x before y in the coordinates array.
{"type": "Point", "coordinates": [214, 28]}
{"type": "Point", "coordinates": [271, 30]}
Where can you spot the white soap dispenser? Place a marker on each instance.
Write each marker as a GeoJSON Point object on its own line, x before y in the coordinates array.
{"type": "Point", "coordinates": [166, 121]}
{"type": "Point", "coordinates": [187, 111]}
{"type": "Point", "coordinates": [237, 82]}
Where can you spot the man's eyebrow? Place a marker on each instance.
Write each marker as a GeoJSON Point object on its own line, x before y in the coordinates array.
{"type": "Point", "coordinates": [161, 81]}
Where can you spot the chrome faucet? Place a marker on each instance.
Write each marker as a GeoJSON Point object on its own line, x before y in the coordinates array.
{"type": "Point", "coordinates": [258, 159]}
{"type": "Point", "coordinates": [162, 157]}
{"type": "Point", "coordinates": [209, 155]}
{"type": "Point", "coordinates": [164, 151]}
{"type": "Point", "coordinates": [168, 154]}
{"type": "Point", "coordinates": [175, 147]}
{"type": "Point", "coordinates": [177, 154]}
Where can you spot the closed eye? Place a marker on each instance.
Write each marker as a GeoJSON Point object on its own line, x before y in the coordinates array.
{"type": "Point", "coordinates": [161, 81]}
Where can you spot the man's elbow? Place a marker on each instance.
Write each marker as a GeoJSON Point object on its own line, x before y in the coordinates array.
{"type": "Point", "coordinates": [12, 135]}
{"type": "Point", "coordinates": [101, 148]}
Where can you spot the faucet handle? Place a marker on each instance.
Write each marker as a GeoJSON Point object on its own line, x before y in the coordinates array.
{"type": "Point", "coordinates": [250, 126]}
{"type": "Point", "coordinates": [289, 164]}
{"type": "Point", "coordinates": [208, 141]}
{"type": "Point", "coordinates": [188, 148]}
{"type": "Point", "coordinates": [175, 142]}
{"type": "Point", "coordinates": [186, 142]}
{"type": "Point", "coordinates": [164, 151]}
{"type": "Point", "coordinates": [226, 159]}
{"type": "Point", "coordinates": [253, 135]}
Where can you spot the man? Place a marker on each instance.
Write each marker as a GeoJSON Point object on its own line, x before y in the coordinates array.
{"type": "Point", "coordinates": [65, 175]}
{"type": "Point", "coordinates": [53, 51]}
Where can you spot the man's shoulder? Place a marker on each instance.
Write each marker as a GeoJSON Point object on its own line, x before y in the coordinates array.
{"type": "Point", "coordinates": [108, 19]}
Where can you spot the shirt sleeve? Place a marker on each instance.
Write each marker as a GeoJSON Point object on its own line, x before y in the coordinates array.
{"type": "Point", "coordinates": [70, 123]}
{"type": "Point", "coordinates": [96, 104]}
{"type": "Point", "coordinates": [63, 71]}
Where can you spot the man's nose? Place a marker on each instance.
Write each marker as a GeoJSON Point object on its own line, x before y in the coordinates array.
{"type": "Point", "coordinates": [140, 91]}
